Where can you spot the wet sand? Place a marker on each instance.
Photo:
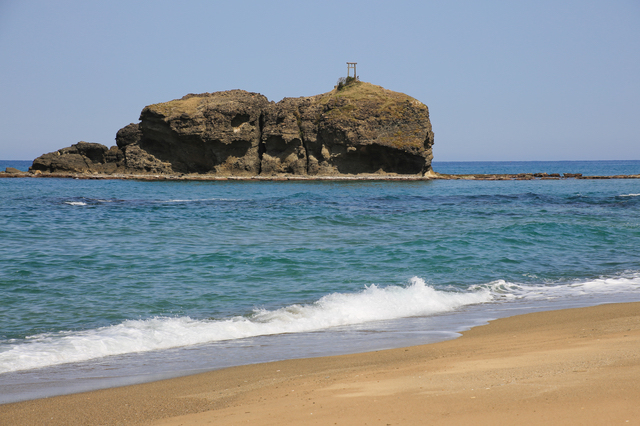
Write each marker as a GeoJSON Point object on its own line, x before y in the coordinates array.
{"type": "Point", "coordinates": [575, 366]}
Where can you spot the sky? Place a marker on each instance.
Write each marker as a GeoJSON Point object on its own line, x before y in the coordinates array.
{"type": "Point", "coordinates": [504, 80]}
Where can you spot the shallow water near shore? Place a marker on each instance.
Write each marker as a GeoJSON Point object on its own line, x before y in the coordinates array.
{"type": "Point", "coordinates": [105, 283]}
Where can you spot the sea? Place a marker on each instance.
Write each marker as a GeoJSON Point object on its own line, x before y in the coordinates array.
{"type": "Point", "coordinates": [113, 282]}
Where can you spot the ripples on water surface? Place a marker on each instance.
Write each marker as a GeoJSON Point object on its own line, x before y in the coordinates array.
{"type": "Point", "coordinates": [99, 268]}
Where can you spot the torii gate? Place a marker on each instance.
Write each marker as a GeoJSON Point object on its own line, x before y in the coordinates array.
{"type": "Point", "coordinates": [350, 66]}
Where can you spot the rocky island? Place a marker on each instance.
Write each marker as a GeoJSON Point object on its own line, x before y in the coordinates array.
{"type": "Point", "coordinates": [355, 129]}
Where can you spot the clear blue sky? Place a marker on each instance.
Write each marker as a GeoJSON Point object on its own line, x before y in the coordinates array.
{"type": "Point", "coordinates": [504, 80]}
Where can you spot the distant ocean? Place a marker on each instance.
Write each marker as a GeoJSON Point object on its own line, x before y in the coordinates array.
{"type": "Point", "coordinates": [587, 168]}
{"type": "Point", "coordinates": [105, 283]}
{"type": "Point", "coordinates": [16, 164]}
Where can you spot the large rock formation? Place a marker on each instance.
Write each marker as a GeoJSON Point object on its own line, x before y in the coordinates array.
{"type": "Point", "coordinates": [215, 133]}
{"type": "Point", "coordinates": [361, 128]}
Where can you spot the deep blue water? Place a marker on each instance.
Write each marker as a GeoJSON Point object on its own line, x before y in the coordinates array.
{"type": "Point", "coordinates": [16, 164]}
{"type": "Point", "coordinates": [123, 279]}
{"type": "Point", "coordinates": [587, 168]}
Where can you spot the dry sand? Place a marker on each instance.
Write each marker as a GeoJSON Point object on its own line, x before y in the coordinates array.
{"type": "Point", "coordinates": [576, 366]}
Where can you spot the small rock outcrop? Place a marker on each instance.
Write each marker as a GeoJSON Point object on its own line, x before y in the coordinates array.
{"type": "Point", "coordinates": [13, 170]}
{"type": "Point", "coordinates": [83, 157]}
{"type": "Point", "coordinates": [357, 129]}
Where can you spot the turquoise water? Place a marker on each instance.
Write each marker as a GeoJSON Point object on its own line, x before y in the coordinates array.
{"type": "Point", "coordinates": [112, 282]}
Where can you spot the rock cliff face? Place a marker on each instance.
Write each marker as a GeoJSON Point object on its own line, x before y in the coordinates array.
{"type": "Point", "coordinates": [361, 128]}
{"type": "Point", "coordinates": [216, 133]}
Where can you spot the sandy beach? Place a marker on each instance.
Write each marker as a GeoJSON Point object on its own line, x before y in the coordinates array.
{"type": "Point", "coordinates": [576, 366]}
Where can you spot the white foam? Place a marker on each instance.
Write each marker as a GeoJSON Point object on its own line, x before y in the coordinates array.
{"type": "Point", "coordinates": [76, 203]}
{"type": "Point", "coordinates": [630, 195]}
{"type": "Point", "coordinates": [503, 290]}
{"type": "Point", "coordinates": [198, 200]}
{"type": "Point", "coordinates": [338, 309]}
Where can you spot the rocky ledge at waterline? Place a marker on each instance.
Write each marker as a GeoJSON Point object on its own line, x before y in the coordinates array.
{"type": "Point", "coordinates": [359, 129]}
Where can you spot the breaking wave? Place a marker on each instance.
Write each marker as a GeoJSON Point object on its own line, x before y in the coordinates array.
{"type": "Point", "coordinates": [333, 310]}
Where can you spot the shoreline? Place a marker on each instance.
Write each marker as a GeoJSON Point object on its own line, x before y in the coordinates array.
{"type": "Point", "coordinates": [362, 177]}
{"type": "Point", "coordinates": [579, 365]}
